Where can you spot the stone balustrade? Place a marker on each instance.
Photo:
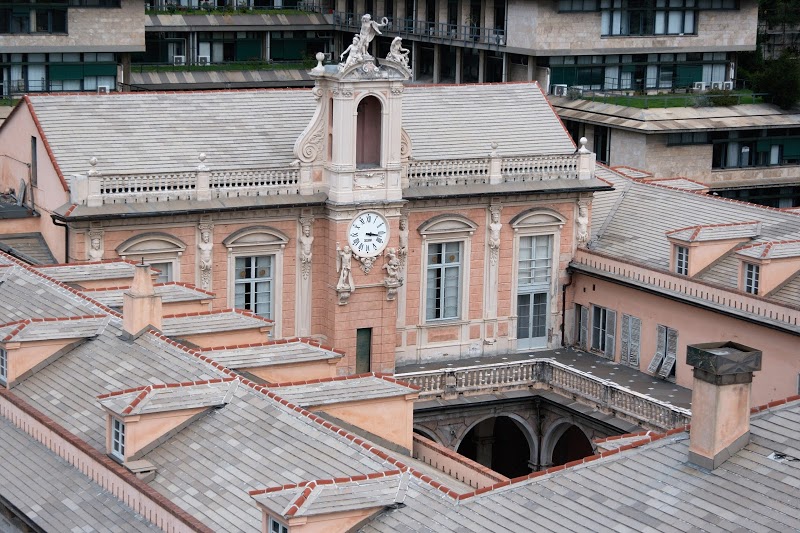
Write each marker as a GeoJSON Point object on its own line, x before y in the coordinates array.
{"type": "Point", "coordinates": [449, 383]}
{"type": "Point", "coordinates": [736, 302]}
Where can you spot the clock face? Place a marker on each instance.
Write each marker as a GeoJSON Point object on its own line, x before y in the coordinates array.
{"type": "Point", "coordinates": [368, 234]}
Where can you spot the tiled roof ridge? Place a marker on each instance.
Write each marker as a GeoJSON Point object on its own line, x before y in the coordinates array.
{"type": "Point", "coordinates": [676, 178]}
{"type": "Point", "coordinates": [27, 321]}
{"type": "Point", "coordinates": [85, 263]}
{"type": "Point", "coordinates": [219, 312]}
{"type": "Point", "coordinates": [168, 283]}
{"type": "Point", "coordinates": [105, 462]}
{"type": "Point", "coordinates": [46, 143]}
{"type": "Point", "coordinates": [384, 376]}
{"type": "Point", "coordinates": [57, 94]}
{"type": "Point", "coordinates": [147, 389]}
{"type": "Point", "coordinates": [700, 227]}
{"type": "Point", "coordinates": [698, 281]}
{"type": "Point", "coordinates": [768, 245]}
{"type": "Point", "coordinates": [628, 167]}
{"type": "Point", "coordinates": [774, 403]}
{"type": "Point", "coordinates": [305, 340]}
{"type": "Point", "coordinates": [62, 286]}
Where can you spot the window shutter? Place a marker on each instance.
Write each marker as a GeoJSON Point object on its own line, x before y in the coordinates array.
{"type": "Point", "coordinates": [584, 334]}
{"type": "Point", "coordinates": [636, 334]}
{"type": "Point", "coordinates": [624, 346]}
{"type": "Point", "coordinates": [660, 349]}
{"type": "Point", "coordinates": [672, 353]}
{"type": "Point", "coordinates": [611, 329]}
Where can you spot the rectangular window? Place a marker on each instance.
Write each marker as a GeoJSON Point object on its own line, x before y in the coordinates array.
{"type": "Point", "coordinates": [277, 527]}
{"type": "Point", "coordinates": [663, 361]}
{"type": "Point", "coordinates": [118, 438]}
{"type": "Point", "coordinates": [535, 260]}
{"type": "Point", "coordinates": [254, 284]}
{"type": "Point", "coordinates": [682, 260]}
{"type": "Point", "coordinates": [604, 327]}
{"type": "Point", "coordinates": [442, 296]}
{"type": "Point", "coordinates": [3, 366]}
{"type": "Point", "coordinates": [165, 272]}
{"type": "Point", "coordinates": [751, 275]}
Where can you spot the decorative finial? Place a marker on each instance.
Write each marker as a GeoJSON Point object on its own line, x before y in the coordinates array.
{"type": "Point", "coordinates": [93, 163]}
{"type": "Point", "coordinates": [583, 149]}
{"type": "Point", "coordinates": [319, 68]}
{"type": "Point", "coordinates": [494, 146]}
{"type": "Point", "coordinates": [202, 157]}
{"type": "Point", "coordinates": [202, 166]}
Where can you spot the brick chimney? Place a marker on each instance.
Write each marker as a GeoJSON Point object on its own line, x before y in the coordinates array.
{"type": "Point", "coordinates": [140, 305]}
{"type": "Point", "coordinates": [723, 372]}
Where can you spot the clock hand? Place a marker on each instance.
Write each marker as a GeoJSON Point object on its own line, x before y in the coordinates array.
{"type": "Point", "coordinates": [370, 234]}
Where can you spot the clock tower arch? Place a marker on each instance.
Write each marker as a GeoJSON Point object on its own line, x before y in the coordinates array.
{"type": "Point", "coordinates": [352, 150]}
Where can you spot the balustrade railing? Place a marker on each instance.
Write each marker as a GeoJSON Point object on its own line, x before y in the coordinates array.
{"type": "Point", "coordinates": [147, 187]}
{"type": "Point", "coordinates": [448, 172]}
{"type": "Point", "coordinates": [547, 373]}
{"type": "Point", "coordinates": [254, 182]}
{"type": "Point", "coordinates": [539, 168]}
{"type": "Point", "coordinates": [780, 314]}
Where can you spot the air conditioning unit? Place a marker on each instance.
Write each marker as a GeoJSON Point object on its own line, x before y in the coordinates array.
{"type": "Point", "coordinates": [716, 85]}
{"type": "Point", "coordinates": [700, 86]}
{"type": "Point", "coordinates": [21, 86]}
{"type": "Point", "coordinates": [559, 90]}
{"type": "Point", "coordinates": [727, 85]}
{"type": "Point", "coordinates": [102, 89]}
{"type": "Point", "coordinates": [203, 60]}
{"type": "Point", "coordinates": [328, 56]}
{"type": "Point", "coordinates": [178, 60]}
{"type": "Point", "coordinates": [575, 91]}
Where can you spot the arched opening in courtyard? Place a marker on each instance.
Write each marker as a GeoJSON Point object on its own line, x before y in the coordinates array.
{"type": "Point", "coordinates": [500, 443]}
{"type": "Point", "coordinates": [570, 446]}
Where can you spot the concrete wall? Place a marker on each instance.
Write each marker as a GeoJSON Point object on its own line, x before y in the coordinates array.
{"type": "Point", "coordinates": [89, 30]}
{"type": "Point", "coordinates": [627, 149]}
{"type": "Point", "coordinates": [693, 161]}
{"type": "Point", "coordinates": [780, 368]}
{"type": "Point", "coordinates": [538, 26]}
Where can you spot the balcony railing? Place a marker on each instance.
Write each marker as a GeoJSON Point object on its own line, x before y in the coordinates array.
{"type": "Point", "coordinates": [232, 7]}
{"type": "Point", "coordinates": [449, 383]}
{"type": "Point", "coordinates": [423, 29]}
{"type": "Point", "coordinates": [496, 169]}
{"type": "Point", "coordinates": [719, 297]}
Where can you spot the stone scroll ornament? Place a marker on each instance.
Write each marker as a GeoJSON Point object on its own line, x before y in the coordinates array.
{"type": "Point", "coordinates": [205, 255]}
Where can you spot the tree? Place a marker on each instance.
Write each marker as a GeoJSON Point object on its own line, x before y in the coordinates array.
{"type": "Point", "coordinates": [781, 79]}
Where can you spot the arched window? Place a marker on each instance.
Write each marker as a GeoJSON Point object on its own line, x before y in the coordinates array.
{"type": "Point", "coordinates": [368, 133]}
{"type": "Point", "coordinates": [161, 250]}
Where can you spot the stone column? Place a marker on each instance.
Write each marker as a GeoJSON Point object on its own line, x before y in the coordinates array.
{"type": "Point", "coordinates": [532, 70]}
{"type": "Point", "coordinates": [415, 62]}
{"type": "Point", "coordinates": [723, 373]}
{"type": "Point", "coordinates": [459, 63]}
{"type": "Point", "coordinates": [303, 308]}
{"type": "Point", "coordinates": [437, 62]}
{"type": "Point", "coordinates": [505, 67]}
{"type": "Point", "coordinates": [481, 66]}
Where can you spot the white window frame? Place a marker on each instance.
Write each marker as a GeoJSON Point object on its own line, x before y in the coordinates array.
{"type": "Point", "coordinates": [252, 281]}
{"type": "Point", "coordinates": [155, 247]}
{"type": "Point", "coordinates": [258, 241]}
{"type": "Point", "coordinates": [118, 438]}
{"type": "Point", "coordinates": [751, 277]}
{"type": "Point", "coordinates": [607, 328]}
{"type": "Point", "coordinates": [599, 326]}
{"type": "Point", "coordinates": [276, 526]}
{"type": "Point", "coordinates": [681, 260]}
{"type": "Point", "coordinates": [3, 366]}
{"type": "Point", "coordinates": [443, 268]}
{"type": "Point", "coordinates": [536, 222]}
{"type": "Point", "coordinates": [441, 229]}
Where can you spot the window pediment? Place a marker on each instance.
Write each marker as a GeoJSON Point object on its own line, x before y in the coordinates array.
{"type": "Point", "coordinates": [256, 236]}
{"type": "Point", "coordinates": [536, 218]}
{"type": "Point", "coordinates": [447, 224]}
{"type": "Point", "coordinates": [151, 243]}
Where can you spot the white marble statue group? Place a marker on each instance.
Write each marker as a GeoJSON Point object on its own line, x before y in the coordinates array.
{"type": "Point", "coordinates": [359, 49]}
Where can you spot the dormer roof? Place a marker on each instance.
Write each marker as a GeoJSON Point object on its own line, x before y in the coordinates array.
{"type": "Point", "coordinates": [43, 329]}
{"type": "Point", "coordinates": [171, 292]}
{"type": "Point", "coordinates": [279, 352]}
{"type": "Point", "coordinates": [170, 397]}
{"type": "Point", "coordinates": [771, 250]}
{"type": "Point", "coordinates": [98, 270]}
{"type": "Point", "coordinates": [342, 389]}
{"type": "Point", "coordinates": [376, 490]}
{"type": "Point", "coordinates": [225, 320]}
{"type": "Point", "coordinates": [716, 232]}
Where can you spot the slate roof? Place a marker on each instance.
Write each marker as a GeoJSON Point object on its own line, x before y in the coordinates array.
{"type": "Point", "coordinates": [271, 353]}
{"type": "Point", "coordinates": [30, 247]}
{"type": "Point", "coordinates": [172, 292]}
{"type": "Point", "coordinates": [676, 183]}
{"type": "Point", "coordinates": [342, 389]}
{"type": "Point", "coordinates": [676, 119]}
{"type": "Point", "coordinates": [40, 329]}
{"type": "Point", "coordinates": [77, 272]}
{"type": "Point", "coordinates": [647, 488]}
{"type": "Point", "coordinates": [211, 322]}
{"type": "Point", "coordinates": [632, 222]}
{"type": "Point", "coordinates": [716, 232]}
{"type": "Point", "coordinates": [379, 490]}
{"type": "Point", "coordinates": [54, 494]}
{"type": "Point", "coordinates": [140, 133]}
{"type": "Point", "coordinates": [771, 250]}
{"type": "Point", "coordinates": [169, 397]}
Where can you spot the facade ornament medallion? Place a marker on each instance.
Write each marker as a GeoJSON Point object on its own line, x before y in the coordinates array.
{"type": "Point", "coordinates": [494, 234]}
{"type": "Point", "coordinates": [394, 278]}
{"type": "Point", "coordinates": [582, 223]}
{"type": "Point", "coordinates": [366, 263]}
{"type": "Point", "coordinates": [95, 244]}
{"type": "Point", "coordinates": [344, 261]}
{"type": "Point", "coordinates": [205, 254]}
{"type": "Point", "coordinates": [306, 240]}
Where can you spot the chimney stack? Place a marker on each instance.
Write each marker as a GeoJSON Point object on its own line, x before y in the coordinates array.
{"type": "Point", "coordinates": [723, 372]}
{"type": "Point", "coordinates": [140, 305]}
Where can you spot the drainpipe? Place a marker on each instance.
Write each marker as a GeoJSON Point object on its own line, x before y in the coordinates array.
{"type": "Point", "coordinates": [66, 237]}
{"type": "Point", "coordinates": [564, 308]}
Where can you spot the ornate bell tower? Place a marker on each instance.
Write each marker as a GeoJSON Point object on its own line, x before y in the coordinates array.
{"type": "Point", "coordinates": [353, 150]}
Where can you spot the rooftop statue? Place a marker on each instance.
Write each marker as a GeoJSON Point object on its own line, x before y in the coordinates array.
{"type": "Point", "coordinates": [369, 29]}
{"type": "Point", "coordinates": [397, 52]}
